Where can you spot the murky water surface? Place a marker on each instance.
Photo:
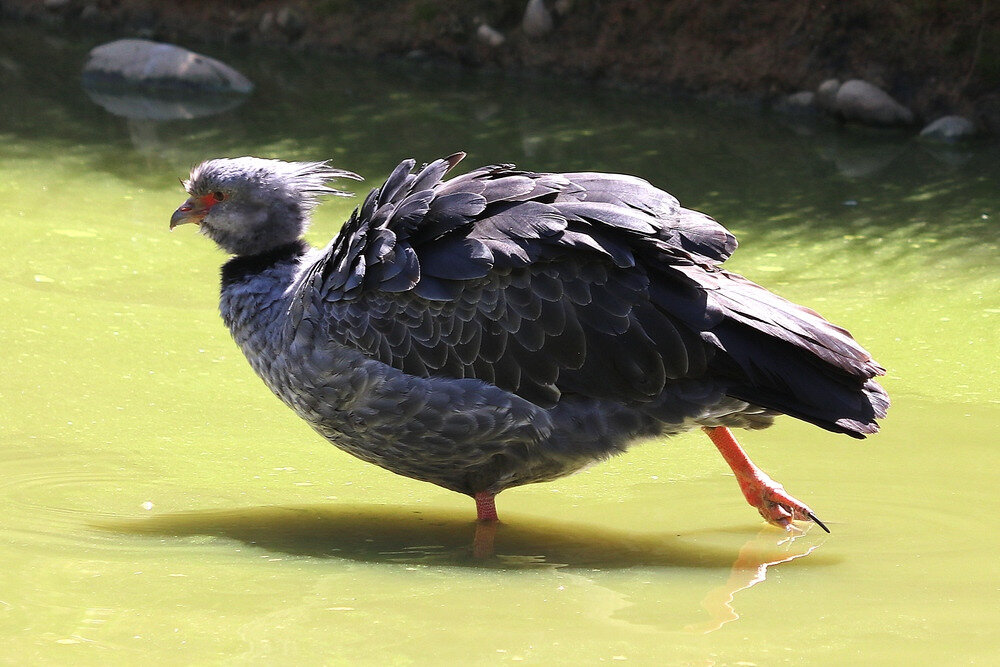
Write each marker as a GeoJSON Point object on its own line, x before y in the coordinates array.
{"type": "Point", "coordinates": [160, 505]}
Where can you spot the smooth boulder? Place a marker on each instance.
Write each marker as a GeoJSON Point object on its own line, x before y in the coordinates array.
{"type": "Point", "coordinates": [864, 102]}
{"type": "Point", "coordinates": [146, 65]}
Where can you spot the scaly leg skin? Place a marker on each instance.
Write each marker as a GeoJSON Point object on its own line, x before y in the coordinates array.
{"type": "Point", "coordinates": [486, 525]}
{"type": "Point", "coordinates": [486, 507]}
{"type": "Point", "coordinates": [769, 497]}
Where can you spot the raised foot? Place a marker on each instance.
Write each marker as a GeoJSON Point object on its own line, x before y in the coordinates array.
{"type": "Point", "coordinates": [769, 497]}
{"type": "Point", "coordinates": [774, 503]}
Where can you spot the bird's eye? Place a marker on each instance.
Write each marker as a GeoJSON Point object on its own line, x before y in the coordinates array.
{"type": "Point", "coordinates": [218, 195]}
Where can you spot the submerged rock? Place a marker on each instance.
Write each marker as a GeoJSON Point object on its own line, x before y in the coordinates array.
{"type": "Point", "coordinates": [145, 65]}
{"type": "Point", "coordinates": [537, 20]}
{"type": "Point", "coordinates": [867, 103]}
{"type": "Point", "coordinates": [949, 130]}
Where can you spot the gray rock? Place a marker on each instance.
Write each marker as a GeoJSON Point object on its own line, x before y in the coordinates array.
{"type": "Point", "coordinates": [140, 64]}
{"type": "Point", "coordinates": [489, 35]}
{"type": "Point", "coordinates": [266, 23]}
{"type": "Point", "coordinates": [804, 98]}
{"type": "Point", "coordinates": [949, 130]}
{"type": "Point", "coordinates": [537, 20]}
{"type": "Point", "coordinates": [803, 102]}
{"type": "Point", "coordinates": [563, 7]}
{"type": "Point", "coordinates": [867, 103]}
{"type": "Point", "coordinates": [291, 21]}
{"type": "Point", "coordinates": [826, 94]}
{"type": "Point", "coordinates": [90, 13]}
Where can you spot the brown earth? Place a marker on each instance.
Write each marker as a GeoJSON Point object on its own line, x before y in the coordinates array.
{"type": "Point", "coordinates": [935, 56]}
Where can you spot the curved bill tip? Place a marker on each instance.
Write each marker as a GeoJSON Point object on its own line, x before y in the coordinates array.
{"type": "Point", "coordinates": [188, 212]}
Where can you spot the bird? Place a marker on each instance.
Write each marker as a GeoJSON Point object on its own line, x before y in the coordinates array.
{"type": "Point", "coordinates": [503, 327]}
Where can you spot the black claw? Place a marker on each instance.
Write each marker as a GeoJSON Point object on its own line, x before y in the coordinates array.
{"type": "Point", "coordinates": [816, 521]}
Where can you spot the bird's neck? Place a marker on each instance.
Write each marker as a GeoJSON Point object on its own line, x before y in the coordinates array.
{"type": "Point", "coordinates": [255, 299]}
{"type": "Point", "coordinates": [244, 267]}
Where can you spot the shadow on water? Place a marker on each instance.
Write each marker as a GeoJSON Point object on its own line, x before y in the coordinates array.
{"type": "Point", "coordinates": [404, 535]}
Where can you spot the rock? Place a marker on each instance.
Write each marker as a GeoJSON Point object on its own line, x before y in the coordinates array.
{"type": "Point", "coordinates": [291, 21]}
{"type": "Point", "coordinates": [266, 23]}
{"type": "Point", "coordinates": [489, 35]}
{"type": "Point", "coordinates": [563, 7]}
{"type": "Point", "coordinates": [826, 95]}
{"type": "Point", "coordinates": [90, 13]}
{"type": "Point", "coordinates": [949, 130]}
{"type": "Point", "coordinates": [55, 5]}
{"type": "Point", "coordinates": [867, 103]}
{"type": "Point", "coordinates": [537, 20]}
{"type": "Point", "coordinates": [139, 64]}
{"type": "Point", "coordinates": [803, 102]}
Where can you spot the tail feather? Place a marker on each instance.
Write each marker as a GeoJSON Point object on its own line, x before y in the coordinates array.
{"type": "Point", "coordinates": [785, 357]}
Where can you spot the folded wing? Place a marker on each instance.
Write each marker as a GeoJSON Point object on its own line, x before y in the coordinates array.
{"type": "Point", "coordinates": [590, 284]}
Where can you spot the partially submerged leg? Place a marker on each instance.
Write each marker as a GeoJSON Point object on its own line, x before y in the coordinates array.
{"type": "Point", "coordinates": [486, 525]}
{"type": "Point", "coordinates": [486, 507]}
{"type": "Point", "coordinates": [769, 497]}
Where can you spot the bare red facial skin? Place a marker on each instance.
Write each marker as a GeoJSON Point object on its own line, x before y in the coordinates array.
{"type": "Point", "coordinates": [211, 199]}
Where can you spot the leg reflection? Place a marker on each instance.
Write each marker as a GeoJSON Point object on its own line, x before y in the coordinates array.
{"type": "Point", "coordinates": [482, 543]}
{"type": "Point", "coordinates": [749, 569]}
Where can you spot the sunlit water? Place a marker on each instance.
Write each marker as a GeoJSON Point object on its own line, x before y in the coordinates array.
{"type": "Point", "coordinates": [159, 504]}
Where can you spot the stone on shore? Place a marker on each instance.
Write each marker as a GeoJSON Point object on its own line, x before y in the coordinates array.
{"type": "Point", "coordinates": [140, 64]}
{"type": "Point", "coordinates": [826, 95]}
{"type": "Point", "coordinates": [537, 20]}
{"type": "Point", "coordinates": [864, 102]}
{"type": "Point", "coordinates": [800, 103]}
{"type": "Point", "coordinates": [490, 36]}
{"type": "Point", "coordinates": [949, 130]}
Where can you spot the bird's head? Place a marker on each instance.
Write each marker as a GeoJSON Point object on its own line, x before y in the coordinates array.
{"type": "Point", "coordinates": [250, 205]}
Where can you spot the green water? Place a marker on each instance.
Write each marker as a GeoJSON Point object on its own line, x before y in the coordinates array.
{"type": "Point", "coordinates": [159, 504]}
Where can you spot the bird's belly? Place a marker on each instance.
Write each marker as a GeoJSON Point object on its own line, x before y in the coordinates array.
{"type": "Point", "coordinates": [464, 435]}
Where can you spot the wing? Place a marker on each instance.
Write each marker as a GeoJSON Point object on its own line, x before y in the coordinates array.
{"type": "Point", "coordinates": [545, 284]}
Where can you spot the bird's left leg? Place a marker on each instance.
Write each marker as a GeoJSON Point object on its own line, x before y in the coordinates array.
{"type": "Point", "coordinates": [486, 506]}
{"type": "Point", "coordinates": [769, 497]}
{"type": "Point", "coordinates": [486, 525]}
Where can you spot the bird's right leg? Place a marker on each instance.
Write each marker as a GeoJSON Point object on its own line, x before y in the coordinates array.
{"type": "Point", "coordinates": [769, 497]}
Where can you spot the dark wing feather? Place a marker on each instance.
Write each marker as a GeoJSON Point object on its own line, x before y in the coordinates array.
{"type": "Point", "coordinates": [592, 284]}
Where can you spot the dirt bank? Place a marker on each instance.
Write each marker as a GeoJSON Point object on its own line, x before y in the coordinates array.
{"type": "Point", "coordinates": [936, 56]}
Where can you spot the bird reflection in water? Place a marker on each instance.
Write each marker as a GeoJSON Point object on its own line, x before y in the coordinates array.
{"type": "Point", "coordinates": [750, 569]}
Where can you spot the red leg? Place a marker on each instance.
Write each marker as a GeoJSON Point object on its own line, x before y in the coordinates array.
{"type": "Point", "coordinates": [486, 507]}
{"type": "Point", "coordinates": [762, 492]}
{"type": "Point", "coordinates": [486, 525]}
